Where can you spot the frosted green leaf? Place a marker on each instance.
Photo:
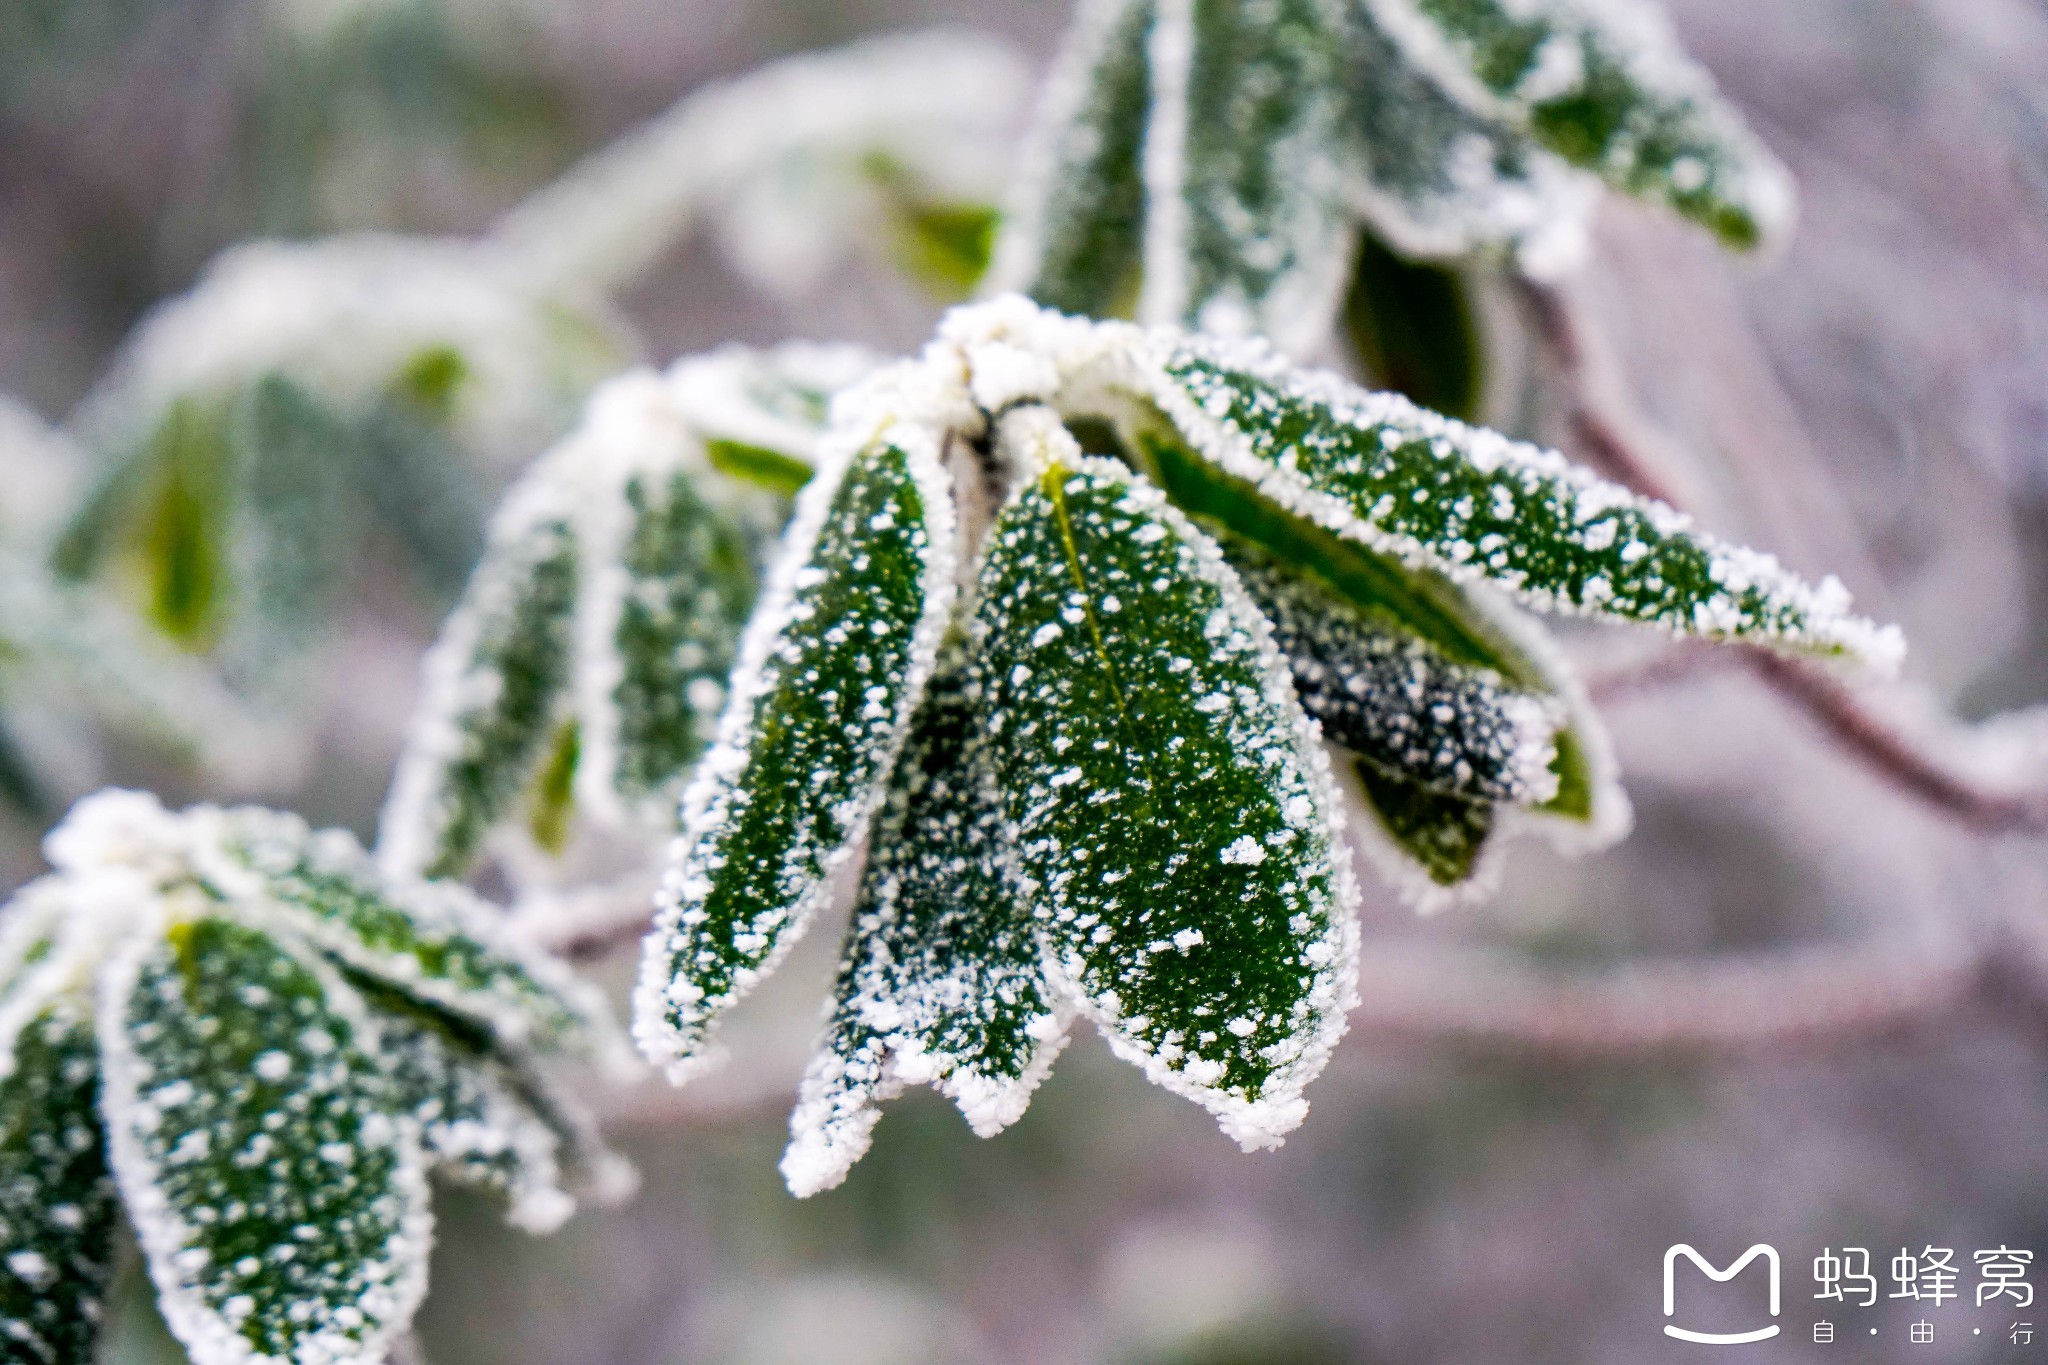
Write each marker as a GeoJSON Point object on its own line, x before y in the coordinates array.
{"type": "Point", "coordinates": [1472, 504]}
{"type": "Point", "coordinates": [1248, 230]}
{"type": "Point", "coordinates": [1397, 701]}
{"type": "Point", "coordinates": [474, 1122]}
{"type": "Point", "coordinates": [1444, 836]}
{"type": "Point", "coordinates": [761, 412]}
{"type": "Point", "coordinates": [1075, 239]}
{"type": "Point", "coordinates": [1465, 632]}
{"type": "Point", "coordinates": [435, 941]}
{"type": "Point", "coordinates": [668, 594]}
{"type": "Point", "coordinates": [833, 664]}
{"type": "Point", "coordinates": [494, 684]}
{"type": "Point", "coordinates": [1170, 810]}
{"type": "Point", "coordinates": [1605, 84]}
{"type": "Point", "coordinates": [1439, 179]}
{"type": "Point", "coordinates": [295, 517]}
{"type": "Point", "coordinates": [942, 982]}
{"type": "Point", "coordinates": [57, 1211]}
{"type": "Point", "coordinates": [30, 926]}
{"type": "Point", "coordinates": [281, 1203]}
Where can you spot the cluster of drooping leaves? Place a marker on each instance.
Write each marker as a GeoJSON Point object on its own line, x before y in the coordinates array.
{"type": "Point", "coordinates": [302, 396]}
{"type": "Point", "coordinates": [1209, 162]}
{"type": "Point", "coordinates": [587, 662]}
{"type": "Point", "coordinates": [1068, 630]}
{"type": "Point", "coordinates": [238, 1033]}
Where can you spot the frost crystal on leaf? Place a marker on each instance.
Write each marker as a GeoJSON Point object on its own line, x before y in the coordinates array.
{"type": "Point", "coordinates": [282, 1203]}
{"type": "Point", "coordinates": [56, 1200]}
{"type": "Point", "coordinates": [942, 983]}
{"type": "Point", "coordinates": [271, 1032]}
{"type": "Point", "coordinates": [1169, 805]}
{"type": "Point", "coordinates": [1472, 504]}
{"type": "Point", "coordinates": [1226, 149]}
{"type": "Point", "coordinates": [587, 663]}
{"type": "Point", "coordinates": [832, 667]}
{"type": "Point", "coordinates": [1113, 798]}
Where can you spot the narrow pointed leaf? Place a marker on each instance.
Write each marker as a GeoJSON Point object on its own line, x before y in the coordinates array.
{"type": "Point", "coordinates": [1468, 633]}
{"type": "Point", "coordinates": [667, 594]}
{"type": "Point", "coordinates": [494, 684]}
{"type": "Point", "coordinates": [57, 1203]}
{"type": "Point", "coordinates": [1249, 230]}
{"type": "Point", "coordinates": [474, 1124]}
{"type": "Point", "coordinates": [281, 1203]}
{"type": "Point", "coordinates": [1472, 504]}
{"type": "Point", "coordinates": [1075, 241]}
{"type": "Point", "coordinates": [296, 519]}
{"type": "Point", "coordinates": [1606, 86]}
{"type": "Point", "coordinates": [1395, 700]}
{"type": "Point", "coordinates": [942, 982]}
{"type": "Point", "coordinates": [436, 942]}
{"type": "Point", "coordinates": [832, 667]}
{"type": "Point", "coordinates": [1442, 836]}
{"type": "Point", "coordinates": [1171, 811]}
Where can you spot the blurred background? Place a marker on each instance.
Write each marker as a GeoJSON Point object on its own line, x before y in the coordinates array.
{"type": "Point", "coordinates": [1798, 1006]}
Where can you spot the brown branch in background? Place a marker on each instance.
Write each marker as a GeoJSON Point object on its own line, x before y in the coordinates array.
{"type": "Point", "coordinates": [1796, 998]}
{"type": "Point", "coordinates": [1927, 764]}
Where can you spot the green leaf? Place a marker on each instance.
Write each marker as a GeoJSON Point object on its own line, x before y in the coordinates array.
{"type": "Point", "coordinates": [31, 927]}
{"type": "Point", "coordinates": [280, 1201]}
{"type": "Point", "coordinates": [1438, 178]}
{"type": "Point", "coordinates": [1171, 814]}
{"type": "Point", "coordinates": [942, 982]}
{"type": "Point", "coordinates": [435, 941]}
{"type": "Point", "coordinates": [57, 1205]}
{"type": "Point", "coordinates": [476, 1126]}
{"type": "Point", "coordinates": [495, 684]}
{"type": "Point", "coordinates": [1442, 835]}
{"type": "Point", "coordinates": [1076, 241]}
{"type": "Point", "coordinates": [1395, 700]}
{"type": "Point", "coordinates": [1470, 633]}
{"type": "Point", "coordinates": [1474, 505]}
{"type": "Point", "coordinates": [186, 516]}
{"type": "Point", "coordinates": [1412, 330]}
{"type": "Point", "coordinates": [296, 518]}
{"type": "Point", "coordinates": [1607, 87]}
{"type": "Point", "coordinates": [832, 667]}
{"type": "Point", "coordinates": [1250, 230]}
{"type": "Point", "coordinates": [423, 485]}
{"type": "Point", "coordinates": [672, 586]}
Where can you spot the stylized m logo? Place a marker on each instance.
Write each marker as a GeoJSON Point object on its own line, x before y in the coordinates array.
{"type": "Point", "coordinates": [1769, 1253]}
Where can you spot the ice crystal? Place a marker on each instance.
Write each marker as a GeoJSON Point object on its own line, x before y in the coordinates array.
{"type": "Point", "coordinates": [1111, 795]}
{"type": "Point", "coordinates": [272, 1045]}
{"type": "Point", "coordinates": [1226, 150]}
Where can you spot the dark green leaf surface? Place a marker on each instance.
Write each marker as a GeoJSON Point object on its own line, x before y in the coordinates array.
{"type": "Point", "coordinates": [1256, 234]}
{"type": "Point", "coordinates": [1170, 811]}
{"type": "Point", "coordinates": [1607, 87]}
{"type": "Point", "coordinates": [476, 1126]}
{"type": "Point", "coordinates": [434, 941]}
{"type": "Point", "coordinates": [834, 663]}
{"type": "Point", "coordinates": [57, 1205]}
{"type": "Point", "coordinates": [672, 608]}
{"type": "Point", "coordinates": [1078, 242]}
{"type": "Point", "coordinates": [1469, 503]}
{"type": "Point", "coordinates": [280, 1201]}
{"type": "Point", "coordinates": [1406, 600]}
{"type": "Point", "coordinates": [942, 982]}
{"type": "Point", "coordinates": [1395, 700]}
{"type": "Point", "coordinates": [1441, 834]}
{"type": "Point", "coordinates": [496, 680]}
